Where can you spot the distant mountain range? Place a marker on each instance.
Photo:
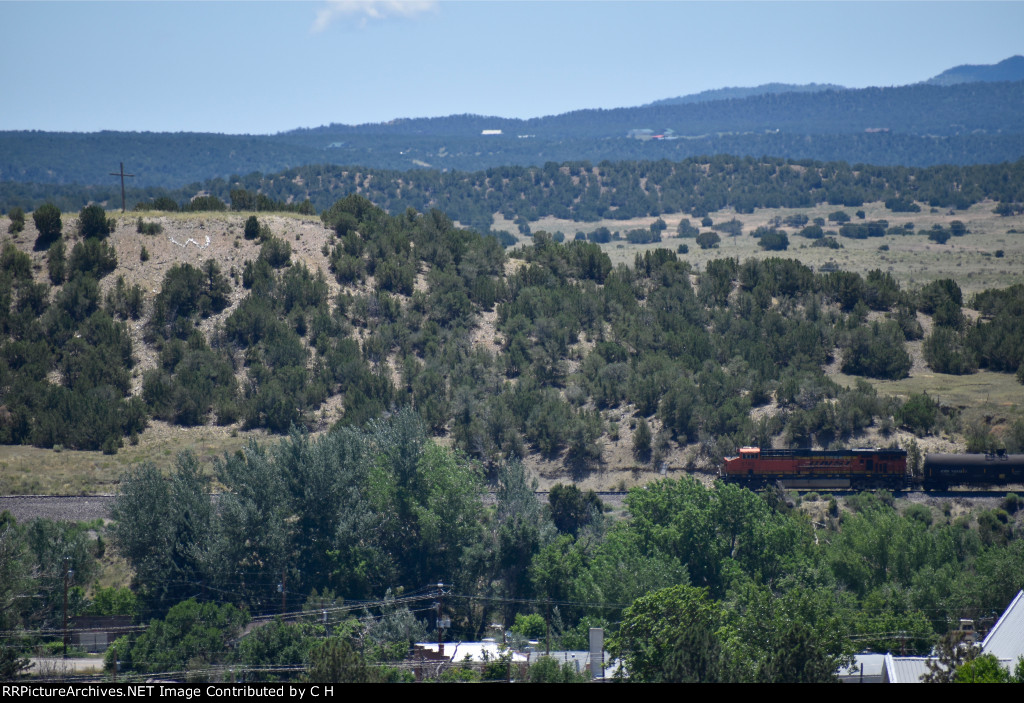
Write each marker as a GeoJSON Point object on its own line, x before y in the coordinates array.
{"type": "Point", "coordinates": [1011, 69]}
{"type": "Point", "coordinates": [959, 117]}
{"type": "Point", "coordinates": [738, 93]}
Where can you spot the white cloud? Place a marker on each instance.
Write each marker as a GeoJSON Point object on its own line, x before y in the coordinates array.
{"type": "Point", "coordinates": [364, 10]}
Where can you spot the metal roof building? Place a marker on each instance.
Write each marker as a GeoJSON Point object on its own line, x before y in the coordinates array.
{"type": "Point", "coordinates": [867, 667]}
{"type": "Point", "coordinates": [904, 669]}
{"type": "Point", "coordinates": [1006, 638]}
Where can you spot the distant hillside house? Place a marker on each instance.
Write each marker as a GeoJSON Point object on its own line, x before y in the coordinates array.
{"type": "Point", "coordinates": [490, 132]}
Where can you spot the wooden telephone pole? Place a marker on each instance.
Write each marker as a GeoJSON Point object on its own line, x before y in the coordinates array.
{"type": "Point", "coordinates": [123, 175]}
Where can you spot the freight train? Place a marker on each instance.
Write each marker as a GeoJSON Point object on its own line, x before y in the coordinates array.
{"type": "Point", "coordinates": [868, 468]}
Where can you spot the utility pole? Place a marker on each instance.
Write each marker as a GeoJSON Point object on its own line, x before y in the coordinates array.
{"type": "Point", "coordinates": [123, 175]}
{"type": "Point", "coordinates": [283, 587]}
{"type": "Point", "coordinates": [547, 631]}
{"type": "Point", "coordinates": [442, 622]}
{"type": "Point", "coordinates": [67, 573]}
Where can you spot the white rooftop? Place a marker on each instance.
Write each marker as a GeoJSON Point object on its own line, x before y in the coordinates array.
{"type": "Point", "coordinates": [905, 669]}
{"type": "Point", "coordinates": [1006, 638]}
{"type": "Point", "coordinates": [867, 666]}
{"type": "Point", "coordinates": [477, 651]}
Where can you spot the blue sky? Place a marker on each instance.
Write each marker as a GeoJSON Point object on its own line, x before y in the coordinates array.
{"type": "Point", "coordinates": [265, 67]}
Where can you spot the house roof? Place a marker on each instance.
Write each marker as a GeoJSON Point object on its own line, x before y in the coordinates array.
{"type": "Point", "coordinates": [1006, 638]}
{"type": "Point", "coordinates": [905, 669]}
{"type": "Point", "coordinates": [477, 651]}
{"type": "Point", "coordinates": [867, 666]}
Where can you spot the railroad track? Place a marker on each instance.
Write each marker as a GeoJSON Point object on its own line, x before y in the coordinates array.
{"type": "Point", "coordinates": [61, 508]}
{"type": "Point", "coordinates": [94, 507]}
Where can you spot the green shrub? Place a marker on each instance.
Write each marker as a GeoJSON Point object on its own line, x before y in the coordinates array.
{"type": "Point", "coordinates": [532, 626]}
{"type": "Point", "coordinates": [642, 441]}
{"type": "Point", "coordinates": [56, 262]}
{"type": "Point", "coordinates": [919, 512]}
{"type": "Point", "coordinates": [17, 216]}
{"type": "Point", "coordinates": [708, 240]}
{"type": "Point", "coordinates": [877, 351]}
{"type": "Point", "coordinates": [276, 252]}
{"type": "Point", "coordinates": [93, 257]}
{"type": "Point", "coordinates": [207, 203]}
{"type": "Point", "coordinates": [143, 227]}
{"type": "Point", "coordinates": [94, 223]}
{"type": "Point", "coordinates": [252, 227]}
{"type": "Point", "coordinates": [919, 414]}
{"type": "Point", "coordinates": [48, 224]}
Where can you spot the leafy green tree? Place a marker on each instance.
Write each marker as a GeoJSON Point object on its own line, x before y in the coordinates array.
{"type": "Point", "coordinates": [162, 528]}
{"type": "Point", "coordinates": [113, 600]}
{"type": "Point", "coordinates": [672, 635]}
{"type": "Point", "coordinates": [984, 668]}
{"type": "Point", "coordinates": [877, 351]}
{"type": "Point", "coordinates": [463, 673]}
{"type": "Point", "coordinates": [185, 292]}
{"type": "Point", "coordinates": [951, 653]}
{"type": "Point", "coordinates": [518, 532]}
{"type": "Point", "coordinates": [15, 584]}
{"type": "Point", "coordinates": [773, 240]}
{"type": "Point", "coordinates": [686, 228]}
{"type": "Point", "coordinates": [556, 572]}
{"type": "Point", "coordinates": [708, 240]}
{"type": "Point", "coordinates": [94, 223]}
{"type": "Point", "coordinates": [93, 257]}
{"type": "Point", "coordinates": [206, 203]}
{"type": "Point", "coordinates": [56, 262]}
{"type": "Point", "coordinates": [642, 441]}
{"type": "Point", "coordinates": [191, 636]}
{"type": "Point", "coordinates": [794, 634]}
{"type": "Point", "coordinates": [550, 670]}
{"type": "Point", "coordinates": [279, 643]}
{"type": "Point", "coordinates": [48, 225]}
{"type": "Point", "coordinates": [919, 414]}
{"type": "Point", "coordinates": [57, 549]}
{"type": "Point", "coordinates": [335, 661]}
{"type": "Point", "coordinates": [572, 509]}
{"type": "Point", "coordinates": [391, 635]}
{"type": "Point", "coordinates": [531, 626]}
{"type": "Point", "coordinates": [252, 227]}
{"type": "Point", "coordinates": [251, 534]}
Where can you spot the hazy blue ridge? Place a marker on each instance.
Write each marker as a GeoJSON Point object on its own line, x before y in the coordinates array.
{"type": "Point", "coordinates": [1011, 69]}
{"type": "Point", "coordinates": [920, 125]}
{"type": "Point", "coordinates": [739, 93]}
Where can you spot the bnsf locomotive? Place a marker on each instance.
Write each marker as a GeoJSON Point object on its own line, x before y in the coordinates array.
{"type": "Point", "coordinates": [868, 468]}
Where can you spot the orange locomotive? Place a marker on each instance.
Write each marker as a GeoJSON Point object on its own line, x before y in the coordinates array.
{"type": "Point", "coordinates": [810, 468]}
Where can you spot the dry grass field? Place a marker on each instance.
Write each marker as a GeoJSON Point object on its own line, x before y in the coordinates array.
{"type": "Point", "coordinates": [28, 470]}
{"type": "Point", "coordinates": [913, 260]}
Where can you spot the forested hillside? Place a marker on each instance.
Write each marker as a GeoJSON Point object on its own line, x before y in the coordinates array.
{"type": "Point", "coordinates": [548, 351]}
{"type": "Point", "coordinates": [580, 191]}
{"type": "Point", "coordinates": [922, 125]}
